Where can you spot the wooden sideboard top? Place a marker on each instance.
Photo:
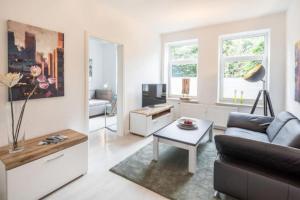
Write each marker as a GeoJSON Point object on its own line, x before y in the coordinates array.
{"type": "Point", "coordinates": [33, 151]}
{"type": "Point", "coordinates": [152, 111]}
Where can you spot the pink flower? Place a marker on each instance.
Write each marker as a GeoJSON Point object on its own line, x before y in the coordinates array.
{"type": "Point", "coordinates": [44, 85]}
{"type": "Point", "coordinates": [48, 94]}
{"type": "Point", "coordinates": [35, 70]}
{"type": "Point", "coordinates": [51, 80]}
{"type": "Point", "coordinates": [41, 79]}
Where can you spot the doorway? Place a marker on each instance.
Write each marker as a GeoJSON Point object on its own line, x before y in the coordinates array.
{"type": "Point", "coordinates": [104, 78]}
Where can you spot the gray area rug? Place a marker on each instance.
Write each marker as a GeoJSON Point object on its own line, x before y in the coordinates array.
{"type": "Point", "coordinates": [169, 176]}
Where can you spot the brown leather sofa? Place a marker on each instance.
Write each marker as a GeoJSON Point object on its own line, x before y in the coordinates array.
{"type": "Point", "coordinates": [259, 158]}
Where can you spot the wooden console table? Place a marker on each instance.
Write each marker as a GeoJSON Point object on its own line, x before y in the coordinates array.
{"type": "Point", "coordinates": [41, 169]}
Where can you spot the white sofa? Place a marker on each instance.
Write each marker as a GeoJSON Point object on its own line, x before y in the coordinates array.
{"type": "Point", "coordinates": [97, 101]}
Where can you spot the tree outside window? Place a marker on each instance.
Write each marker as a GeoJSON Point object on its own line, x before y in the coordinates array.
{"type": "Point", "coordinates": [182, 63]}
{"type": "Point", "coordinates": [239, 53]}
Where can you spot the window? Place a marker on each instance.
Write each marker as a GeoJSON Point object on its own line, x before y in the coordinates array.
{"type": "Point", "coordinates": [240, 53]}
{"type": "Point", "coordinates": [181, 62]}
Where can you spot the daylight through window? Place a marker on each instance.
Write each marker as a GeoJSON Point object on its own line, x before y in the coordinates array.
{"type": "Point", "coordinates": [182, 62]}
{"type": "Point", "coordinates": [239, 53]}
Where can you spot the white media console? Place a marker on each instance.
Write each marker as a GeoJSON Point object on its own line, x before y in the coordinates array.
{"type": "Point", "coordinates": [146, 121]}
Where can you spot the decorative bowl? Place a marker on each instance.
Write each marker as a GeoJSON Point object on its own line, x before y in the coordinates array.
{"type": "Point", "coordinates": [187, 124]}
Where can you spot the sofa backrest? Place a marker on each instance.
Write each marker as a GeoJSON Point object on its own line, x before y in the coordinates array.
{"type": "Point", "coordinates": [289, 134]}
{"type": "Point", "coordinates": [278, 123]}
{"type": "Point", "coordinates": [91, 94]}
{"type": "Point", "coordinates": [104, 94]}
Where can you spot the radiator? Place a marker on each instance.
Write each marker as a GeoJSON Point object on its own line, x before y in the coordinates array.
{"type": "Point", "coordinates": [217, 114]}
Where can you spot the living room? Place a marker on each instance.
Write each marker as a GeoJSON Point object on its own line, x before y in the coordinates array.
{"type": "Point", "coordinates": [196, 57]}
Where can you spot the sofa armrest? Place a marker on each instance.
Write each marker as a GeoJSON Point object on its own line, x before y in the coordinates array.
{"type": "Point", "coordinates": [251, 122]}
{"type": "Point", "coordinates": [270, 156]}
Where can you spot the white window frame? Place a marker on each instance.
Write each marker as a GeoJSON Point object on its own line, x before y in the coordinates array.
{"type": "Point", "coordinates": [167, 71]}
{"type": "Point", "coordinates": [222, 60]}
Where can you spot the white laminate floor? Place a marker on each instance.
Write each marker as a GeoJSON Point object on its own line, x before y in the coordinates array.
{"type": "Point", "coordinates": [99, 183]}
{"type": "Point", "coordinates": [96, 123]}
{"type": "Point", "coordinates": [105, 150]}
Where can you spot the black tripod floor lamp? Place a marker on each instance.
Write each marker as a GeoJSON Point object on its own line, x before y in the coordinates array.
{"type": "Point", "coordinates": [254, 75]}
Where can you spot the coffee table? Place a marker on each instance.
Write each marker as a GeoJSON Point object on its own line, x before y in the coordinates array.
{"type": "Point", "coordinates": [184, 139]}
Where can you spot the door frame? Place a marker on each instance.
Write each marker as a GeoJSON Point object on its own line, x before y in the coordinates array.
{"type": "Point", "coordinates": [120, 83]}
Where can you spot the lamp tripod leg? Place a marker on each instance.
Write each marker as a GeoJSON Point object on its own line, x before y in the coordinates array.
{"type": "Point", "coordinates": [265, 103]}
{"type": "Point", "coordinates": [256, 102]}
{"type": "Point", "coordinates": [270, 104]}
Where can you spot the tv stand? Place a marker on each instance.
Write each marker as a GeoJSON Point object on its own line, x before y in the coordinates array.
{"type": "Point", "coordinates": [148, 120]}
{"type": "Point", "coordinates": [155, 106]}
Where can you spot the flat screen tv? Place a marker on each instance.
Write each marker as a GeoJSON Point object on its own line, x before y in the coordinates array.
{"type": "Point", "coordinates": [153, 94]}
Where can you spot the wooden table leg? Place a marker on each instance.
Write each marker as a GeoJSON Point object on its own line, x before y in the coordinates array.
{"type": "Point", "coordinates": [192, 159]}
{"type": "Point", "coordinates": [155, 148]}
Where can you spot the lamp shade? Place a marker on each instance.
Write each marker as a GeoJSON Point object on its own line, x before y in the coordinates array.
{"type": "Point", "coordinates": [185, 86]}
{"type": "Point", "coordinates": [256, 74]}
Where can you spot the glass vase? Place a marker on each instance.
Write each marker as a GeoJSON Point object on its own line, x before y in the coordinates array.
{"type": "Point", "coordinates": [16, 144]}
{"type": "Point", "coordinates": [16, 141]}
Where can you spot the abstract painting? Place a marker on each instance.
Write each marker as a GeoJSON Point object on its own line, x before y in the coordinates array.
{"type": "Point", "coordinates": [297, 72]}
{"type": "Point", "coordinates": [38, 54]}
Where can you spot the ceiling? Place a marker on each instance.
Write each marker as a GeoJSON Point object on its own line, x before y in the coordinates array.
{"type": "Point", "coordinates": [173, 15]}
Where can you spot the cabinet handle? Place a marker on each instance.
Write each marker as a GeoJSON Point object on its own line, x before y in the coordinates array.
{"type": "Point", "coordinates": [55, 158]}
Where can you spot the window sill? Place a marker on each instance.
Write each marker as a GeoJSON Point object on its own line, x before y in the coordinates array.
{"type": "Point", "coordinates": [192, 100]}
{"type": "Point", "coordinates": [237, 104]}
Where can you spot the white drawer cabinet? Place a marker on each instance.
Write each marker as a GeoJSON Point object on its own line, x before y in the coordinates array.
{"type": "Point", "coordinates": [149, 120]}
{"type": "Point", "coordinates": [160, 122]}
{"type": "Point", "coordinates": [40, 177]}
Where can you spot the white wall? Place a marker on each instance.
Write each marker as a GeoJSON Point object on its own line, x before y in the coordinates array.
{"type": "Point", "coordinates": [293, 35]}
{"type": "Point", "coordinates": [96, 54]}
{"type": "Point", "coordinates": [73, 17]}
{"type": "Point", "coordinates": [208, 38]}
{"type": "Point", "coordinates": [104, 61]}
{"type": "Point", "coordinates": [110, 66]}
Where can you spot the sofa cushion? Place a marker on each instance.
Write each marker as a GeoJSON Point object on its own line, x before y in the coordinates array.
{"type": "Point", "coordinates": [97, 102]}
{"type": "Point", "coordinates": [247, 134]}
{"type": "Point", "coordinates": [280, 120]}
{"type": "Point", "coordinates": [289, 134]}
{"type": "Point", "coordinates": [247, 121]}
{"type": "Point", "coordinates": [270, 156]}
